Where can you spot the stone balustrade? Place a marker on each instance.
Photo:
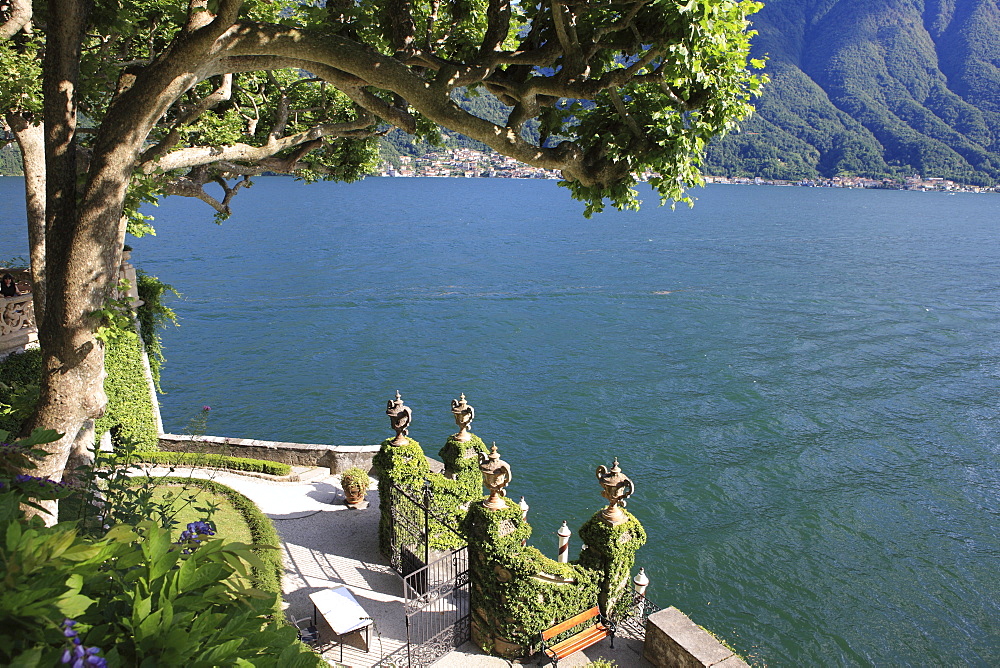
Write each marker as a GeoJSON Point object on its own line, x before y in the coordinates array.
{"type": "Point", "coordinates": [17, 323]}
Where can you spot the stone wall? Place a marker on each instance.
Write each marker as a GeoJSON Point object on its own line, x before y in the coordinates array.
{"type": "Point", "coordinates": [674, 641]}
{"type": "Point", "coordinates": [337, 457]}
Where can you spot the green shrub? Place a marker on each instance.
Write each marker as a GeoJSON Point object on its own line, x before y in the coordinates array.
{"type": "Point", "coordinates": [130, 408]}
{"type": "Point", "coordinates": [19, 375]}
{"type": "Point", "coordinates": [354, 476]}
{"type": "Point", "coordinates": [208, 460]}
{"type": "Point", "coordinates": [153, 316]}
{"type": "Point", "coordinates": [137, 597]}
{"type": "Point", "coordinates": [132, 595]}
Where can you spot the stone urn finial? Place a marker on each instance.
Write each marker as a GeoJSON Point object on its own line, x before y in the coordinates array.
{"type": "Point", "coordinates": [616, 487]}
{"type": "Point", "coordinates": [464, 414]}
{"type": "Point", "coordinates": [399, 417]}
{"type": "Point", "coordinates": [496, 476]}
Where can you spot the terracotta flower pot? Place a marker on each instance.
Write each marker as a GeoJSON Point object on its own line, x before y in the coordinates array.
{"type": "Point", "coordinates": [354, 482]}
{"type": "Point", "coordinates": [354, 494]}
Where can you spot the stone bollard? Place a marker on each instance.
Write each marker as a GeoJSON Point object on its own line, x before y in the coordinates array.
{"type": "Point", "coordinates": [641, 582]}
{"type": "Point", "coordinates": [564, 534]}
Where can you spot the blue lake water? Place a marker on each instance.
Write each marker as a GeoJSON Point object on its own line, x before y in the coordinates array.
{"type": "Point", "coordinates": [803, 383]}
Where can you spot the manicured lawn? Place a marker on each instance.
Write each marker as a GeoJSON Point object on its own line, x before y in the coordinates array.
{"type": "Point", "coordinates": [226, 520]}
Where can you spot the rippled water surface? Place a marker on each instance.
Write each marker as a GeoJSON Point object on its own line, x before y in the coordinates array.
{"type": "Point", "coordinates": [801, 382]}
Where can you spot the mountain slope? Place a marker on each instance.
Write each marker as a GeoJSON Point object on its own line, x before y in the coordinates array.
{"type": "Point", "coordinates": [875, 88]}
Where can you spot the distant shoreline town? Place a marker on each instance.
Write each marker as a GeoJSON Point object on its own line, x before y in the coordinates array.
{"type": "Point", "coordinates": [470, 163]}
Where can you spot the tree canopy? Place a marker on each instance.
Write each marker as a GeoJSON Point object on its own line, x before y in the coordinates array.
{"type": "Point", "coordinates": [226, 89]}
{"type": "Point", "coordinates": [134, 100]}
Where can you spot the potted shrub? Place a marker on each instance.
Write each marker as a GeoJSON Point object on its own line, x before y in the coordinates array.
{"type": "Point", "coordinates": [355, 483]}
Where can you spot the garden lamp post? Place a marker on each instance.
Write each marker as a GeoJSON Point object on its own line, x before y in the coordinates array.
{"type": "Point", "coordinates": [641, 582]}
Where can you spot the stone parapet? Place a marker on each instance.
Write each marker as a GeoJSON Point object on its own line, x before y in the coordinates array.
{"type": "Point", "coordinates": [337, 457]}
{"type": "Point", "coordinates": [674, 641]}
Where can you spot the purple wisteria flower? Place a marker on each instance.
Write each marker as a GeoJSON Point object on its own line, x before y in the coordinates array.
{"type": "Point", "coordinates": [193, 535]}
{"type": "Point", "coordinates": [77, 655]}
{"type": "Point", "coordinates": [44, 482]}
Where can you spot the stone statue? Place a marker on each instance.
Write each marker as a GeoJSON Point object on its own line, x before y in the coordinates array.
{"type": "Point", "coordinates": [464, 414]}
{"type": "Point", "coordinates": [399, 417]}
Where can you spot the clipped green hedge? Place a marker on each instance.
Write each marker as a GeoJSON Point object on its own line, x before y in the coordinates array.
{"type": "Point", "coordinates": [208, 460]}
{"type": "Point", "coordinates": [130, 407]}
{"type": "Point", "coordinates": [261, 529]}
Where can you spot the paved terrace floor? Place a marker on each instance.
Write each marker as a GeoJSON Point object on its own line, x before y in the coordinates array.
{"type": "Point", "coordinates": [325, 543]}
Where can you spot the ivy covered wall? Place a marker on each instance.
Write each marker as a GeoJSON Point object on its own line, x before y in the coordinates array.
{"type": "Point", "coordinates": [517, 592]}
{"type": "Point", "coordinates": [450, 492]}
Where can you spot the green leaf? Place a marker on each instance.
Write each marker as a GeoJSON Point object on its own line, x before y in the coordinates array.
{"type": "Point", "coordinates": [75, 605]}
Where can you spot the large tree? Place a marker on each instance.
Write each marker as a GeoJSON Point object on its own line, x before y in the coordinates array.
{"type": "Point", "coordinates": [151, 97]}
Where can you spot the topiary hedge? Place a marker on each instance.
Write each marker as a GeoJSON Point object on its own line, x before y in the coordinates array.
{"type": "Point", "coordinates": [208, 460]}
{"type": "Point", "coordinates": [129, 413]}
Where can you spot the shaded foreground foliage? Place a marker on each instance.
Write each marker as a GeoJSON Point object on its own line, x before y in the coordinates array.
{"type": "Point", "coordinates": [128, 595]}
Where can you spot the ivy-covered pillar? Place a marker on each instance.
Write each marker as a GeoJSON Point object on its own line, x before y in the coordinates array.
{"type": "Point", "coordinates": [495, 538]}
{"type": "Point", "coordinates": [516, 592]}
{"type": "Point", "coordinates": [612, 538]}
{"type": "Point", "coordinates": [462, 482]}
{"type": "Point", "coordinates": [610, 549]}
{"type": "Point", "coordinates": [400, 462]}
{"type": "Point", "coordinates": [407, 468]}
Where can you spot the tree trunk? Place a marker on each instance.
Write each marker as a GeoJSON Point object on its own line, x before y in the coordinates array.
{"type": "Point", "coordinates": [71, 388]}
{"type": "Point", "coordinates": [31, 140]}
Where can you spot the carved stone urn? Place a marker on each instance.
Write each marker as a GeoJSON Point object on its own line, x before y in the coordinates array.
{"type": "Point", "coordinates": [399, 417]}
{"type": "Point", "coordinates": [496, 476]}
{"type": "Point", "coordinates": [464, 414]}
{"type": "Point", "coordinates": [615, 487]}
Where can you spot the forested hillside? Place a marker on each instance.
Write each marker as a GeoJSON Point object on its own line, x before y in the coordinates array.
{"type": "Point", "coordinates": [873, 88]}
{"type": "Point", "coordinates": [10, 161]}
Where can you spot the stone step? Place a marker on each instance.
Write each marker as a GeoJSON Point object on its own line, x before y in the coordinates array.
{"type": "Point", "coordinates": [311, 473]}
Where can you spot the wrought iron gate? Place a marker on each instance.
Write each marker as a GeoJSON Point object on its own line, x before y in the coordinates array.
{"type": "Point", "coordinates": [437, 608]}
{"type": "Point", "coordinates": [435, 583]}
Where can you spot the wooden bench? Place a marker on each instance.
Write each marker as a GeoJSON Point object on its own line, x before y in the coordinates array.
{"type": "Point", "coordinates": [594, 632]}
